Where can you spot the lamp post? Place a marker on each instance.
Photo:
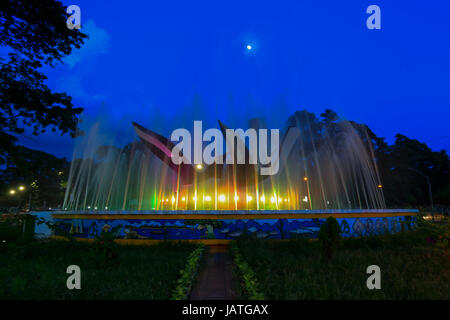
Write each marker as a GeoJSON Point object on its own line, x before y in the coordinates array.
{"type": "Point", "coordinates": [309, 193]}
{"type": "Point", "coordinates": [12, 192]}
{"type": "Point", "coordinates": [429, 188]}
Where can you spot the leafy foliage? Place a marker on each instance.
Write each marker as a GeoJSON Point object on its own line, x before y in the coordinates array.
{"type": "Point", "coordinates": [188, 274]}
{"type": "Point", "coordinates": [250, 282]}
{"type": "Point", "coordinates": [36, 34]}
{"type": "Point", "coordinates": [412, 267]}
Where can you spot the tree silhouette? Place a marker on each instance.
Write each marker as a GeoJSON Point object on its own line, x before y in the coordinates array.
{"type": "Point", "coordinates": [35, 33]}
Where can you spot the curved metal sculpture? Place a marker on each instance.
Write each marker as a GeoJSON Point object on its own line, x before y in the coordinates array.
{"type": "Point", "coordinates": [236, 174]}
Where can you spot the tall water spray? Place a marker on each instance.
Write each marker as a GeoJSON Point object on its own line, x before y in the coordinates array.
{"type": "Point", "coordinates": [331, 166]}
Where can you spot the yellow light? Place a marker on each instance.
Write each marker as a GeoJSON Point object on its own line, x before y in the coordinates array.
{"type": "Point", "coordinates": [12, 191]}
{"type": "Point", "coordinates": [194, 198]}
{"type": "Point", "coordinates": [380, 186]}
{"type": "Point", "coordinates": [222, 198]}
{"type": "Point", "coordinates": [272, 199]}
{"type": "Point", "coordinates": [199, 167]}
{"type": "Point", "coordinates": [236, 198]}
{"type": "Point", "coordinates": [285, 200]}
{"type": "Point", "coordinates": [207, 198]}
{"type": "Point", "coordinates": [249, 198]}
{"type": "Point", "coordinates": [21, 188]}
{"type": "Point", "coordinates": [305, 178]}
{"type": "Point", "coordinates": [263, 198]}
{"type": "Point", "coordinates": [183, 199]}
{"type": "Point", "coordinates": [280, 200]}
{"type": "Point", "coordinates": [167, 200]}
{"type": "Point", "coordinates": [173, 200]}
{"type": "Point", "coordinates": [305, 199]}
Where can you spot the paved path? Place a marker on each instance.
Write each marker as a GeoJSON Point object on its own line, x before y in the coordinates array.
{"type": "Point", "coordinates": [214, 281]}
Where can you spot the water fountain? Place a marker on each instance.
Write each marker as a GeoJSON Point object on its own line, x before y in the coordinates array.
{"type": "Point", "coordinates": [137, 191]}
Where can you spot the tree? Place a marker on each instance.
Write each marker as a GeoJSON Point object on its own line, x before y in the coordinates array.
{"type": "Point", "coordinates": [42, 174]}
{"type": "Point", "coordinates": [36, 34]}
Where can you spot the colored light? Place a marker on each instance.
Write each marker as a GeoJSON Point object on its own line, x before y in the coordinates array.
{"type": "Point", "coordinates": [21, 188]}
{"type": "Point", "coordinates": [249, 47]}
{"type": "Point", "coordinates": [12, 191]}
{"type": "Point", "coordinates": [194, 198]}
{"type": "Point", "coordinates": [263, 198]}
{"type": "Point", "coordinates": [305, 178]}
{"type": "Point", "coordinates": [249, 198]}
{"type": "Point", "coordinates": [280, 200]}
{"type": "Point", "coordinates": [305, 199]}
{"type": "Point", "coordinates": [222, 198]}
{"type": "Point", "coordinates": [272, 199]}
{"type": "Point", "coordinates": [236, 198]}
{"type": "Point", "coordinates": [199, 167]}
{"type": "Point", "coordinates": [380, 186]}
{"type": "Point", "coordinates": [173, 200]}
{"type": "Point", "coordinates": [207, 198]}
{"type": "Point", "coordinates": [183, 199]}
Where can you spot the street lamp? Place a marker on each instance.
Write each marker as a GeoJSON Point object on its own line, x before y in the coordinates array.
{"type": "Point", "coordinates": [429, 188]}
{"type": "Point", "coordinates": [309, 193]}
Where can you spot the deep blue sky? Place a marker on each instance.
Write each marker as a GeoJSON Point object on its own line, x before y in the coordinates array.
{"type": "Point", "coordinates": [167, 63]}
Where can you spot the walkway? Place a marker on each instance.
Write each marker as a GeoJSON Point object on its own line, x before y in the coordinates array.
{"type": "Point", "coordinates": [214, 281]}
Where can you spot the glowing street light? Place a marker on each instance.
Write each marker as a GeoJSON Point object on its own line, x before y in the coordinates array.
{"type": "Point", "coordinates": [21, 188]}
{"type": "Point", "coordinates": [199, 167]}
{"type": "Point", "coordinates": [249, 198]}
{"type": "Point", "coordinates": [12, 191]}
{"type": "Point", "coordinates": [222, 198]}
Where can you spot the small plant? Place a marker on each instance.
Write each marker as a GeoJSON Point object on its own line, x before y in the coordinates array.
{"type": "Point", "coordinates": [330, 236]}
{"type": "Point", "coordinates": [104, 251]}
{"type": "Point", "coordinates": [247, 274]}
{"type": "Point", "coordinates": [188, 274]}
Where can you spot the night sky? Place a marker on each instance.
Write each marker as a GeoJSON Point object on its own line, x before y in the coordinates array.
{"type": "Point", "coordinates": [167, 63]}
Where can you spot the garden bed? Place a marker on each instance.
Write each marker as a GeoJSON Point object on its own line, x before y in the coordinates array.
{"type": "Point", "coordinates": [414, 265]}
{"type": "Point", "coordinates": [37, 270]}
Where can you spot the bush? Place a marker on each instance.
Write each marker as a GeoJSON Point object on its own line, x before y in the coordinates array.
{"type": "Point", "coordinates": [104, 252]}
{"type": "Point", "coordinates": [188, 274]}
{"type": "Point", "coordinates": [329, 236]}
{"type": "Point", "coordinates": [250, 282]}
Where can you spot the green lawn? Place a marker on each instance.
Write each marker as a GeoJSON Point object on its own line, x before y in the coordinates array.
{"type": "Point", "coordinates": [38, 271]}
{"type": "Point", "coordinates": [411, 268]}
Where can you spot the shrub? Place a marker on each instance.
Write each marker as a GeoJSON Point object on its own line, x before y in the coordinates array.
{"type": "Point", "coordinates": [104, 252]}
{"type": "Point", "coordinates": [188, 274]}
{"type": "Point", "coordinates": [329, 236]}
{"type": "Point", "coordinates": [248, 276]}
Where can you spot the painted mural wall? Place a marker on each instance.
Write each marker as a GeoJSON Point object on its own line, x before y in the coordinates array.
{"type": "Point", "coordinates": [180, 229]}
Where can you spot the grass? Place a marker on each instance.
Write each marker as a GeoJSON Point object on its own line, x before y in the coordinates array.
{"type": "Point", "coordinates": [412, 267]}
{"type": "Point", "coordinates": [37, 270]}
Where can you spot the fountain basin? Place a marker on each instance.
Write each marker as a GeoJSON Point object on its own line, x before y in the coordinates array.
{"type": "Point", "coordinates": [211, 226]}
